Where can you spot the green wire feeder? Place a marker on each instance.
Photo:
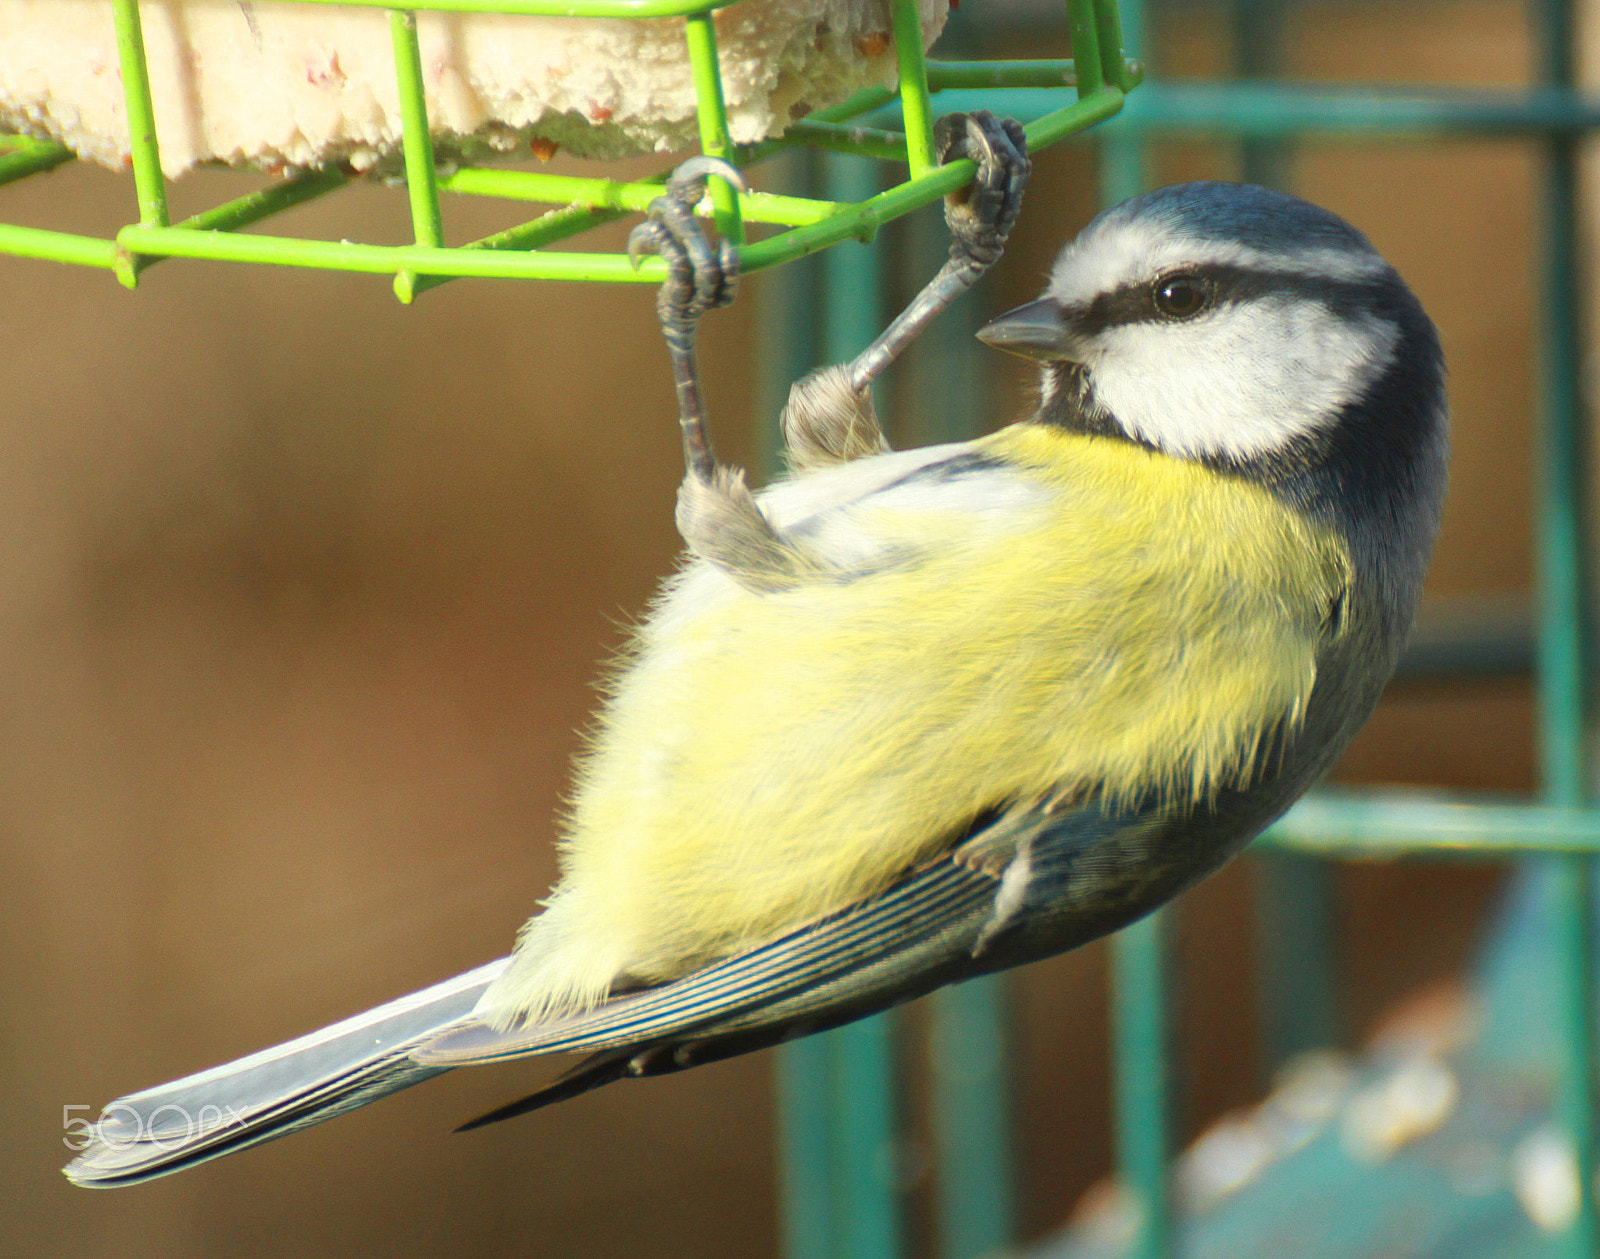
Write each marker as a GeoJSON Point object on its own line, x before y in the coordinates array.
{"type": "Point", "coordinates": [1096, 81]}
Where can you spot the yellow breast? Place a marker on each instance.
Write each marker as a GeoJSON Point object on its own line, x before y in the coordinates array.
{"type": "Point", "coordinates": [1136, 623]}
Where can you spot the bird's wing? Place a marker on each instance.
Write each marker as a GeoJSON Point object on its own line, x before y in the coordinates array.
{"type": "Point", "coordinates": [1061, 873]}
{"type": "Point", "coordinates": [931, 927]}
{"type": "Point", "coordinates": [930, 901]}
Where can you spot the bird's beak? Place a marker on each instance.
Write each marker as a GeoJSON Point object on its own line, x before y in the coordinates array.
{"type": "Point", "coordinates": [1032, 331]}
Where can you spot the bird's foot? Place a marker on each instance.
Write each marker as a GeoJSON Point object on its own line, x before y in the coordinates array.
{"type": "Point", "coordinates": [701, 275]}
{"type": "Point", "coordinates": [981, 215]}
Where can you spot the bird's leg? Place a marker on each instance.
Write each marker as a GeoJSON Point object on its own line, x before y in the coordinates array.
{"type": "Point", "coordinates": [717, 515]}
{"type": "Point", "coordinates": [700, 277]}
{"type": "Point", "coordinates": [829, 417]}
{"type": "Point", "coordinates": [980, 217]}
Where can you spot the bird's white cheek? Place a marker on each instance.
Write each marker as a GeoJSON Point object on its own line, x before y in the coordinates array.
{"type": "Point", "coordinates": [1243, 381]}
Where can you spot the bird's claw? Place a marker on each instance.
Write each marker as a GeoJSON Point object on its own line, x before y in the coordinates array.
{"type": "Point", "coordinates": [701, 276]}
{"type": "Point", "coordinates": [980, 216]}
{"type": "Point", "coordinates": [690, 175]}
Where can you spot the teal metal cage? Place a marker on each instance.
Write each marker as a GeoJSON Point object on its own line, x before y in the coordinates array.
{"type": "Point", "coordinates": [839, 1128]}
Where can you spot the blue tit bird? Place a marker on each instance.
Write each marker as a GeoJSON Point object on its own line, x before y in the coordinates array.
{"type": "Point", "coordinates": [907, 717]}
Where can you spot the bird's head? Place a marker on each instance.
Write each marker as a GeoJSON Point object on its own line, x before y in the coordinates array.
{"type": "Point", "coordinates": [1229, 324]}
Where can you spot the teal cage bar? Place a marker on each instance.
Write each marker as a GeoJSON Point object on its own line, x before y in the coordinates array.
{"type": "Point", "coordinates": [1553, 115]}
{"type": "Point", "coordinates": [1556, 835]}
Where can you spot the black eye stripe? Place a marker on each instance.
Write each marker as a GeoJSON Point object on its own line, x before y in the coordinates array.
{"type": "Point", "coordinates": [1135, 303]}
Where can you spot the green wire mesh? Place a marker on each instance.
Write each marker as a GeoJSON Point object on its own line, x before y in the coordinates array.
{"type": "Point", "coordinates": [1092, 86]}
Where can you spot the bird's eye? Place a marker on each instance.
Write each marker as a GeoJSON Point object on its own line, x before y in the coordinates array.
{"type": "Point", "coordinates": [1182, 296]}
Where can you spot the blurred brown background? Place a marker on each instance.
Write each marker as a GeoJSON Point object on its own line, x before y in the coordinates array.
{"type": "Point", "coordinates": [302, 595]}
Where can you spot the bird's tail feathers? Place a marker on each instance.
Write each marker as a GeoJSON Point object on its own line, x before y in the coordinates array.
{"type": "Point", "coordinates": [276, 1091]}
